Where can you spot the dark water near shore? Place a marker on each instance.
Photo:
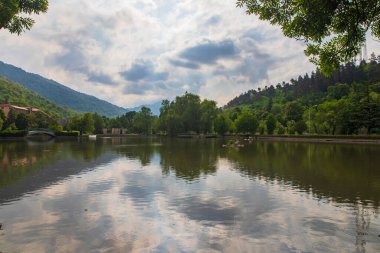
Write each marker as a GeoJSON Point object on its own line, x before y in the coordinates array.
{"type": "Point", "coordinates": [173, 195]}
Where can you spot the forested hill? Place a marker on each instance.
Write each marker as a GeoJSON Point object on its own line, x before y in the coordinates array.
{"type": "Point", "coordinates": [344, 103]}
{"type": "Point", "coordinates": [59, 93]}
{"type": "Point", "coordinates": [18, 95]}
{"type": "Point", "coordinates": [313, 88]}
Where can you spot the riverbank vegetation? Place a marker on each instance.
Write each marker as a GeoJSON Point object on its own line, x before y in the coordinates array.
{"type": "Point", "coordinates": [347, 103]}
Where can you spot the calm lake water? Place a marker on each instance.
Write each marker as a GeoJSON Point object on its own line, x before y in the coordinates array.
{"type": "Point", "coordinates": [173, 195]}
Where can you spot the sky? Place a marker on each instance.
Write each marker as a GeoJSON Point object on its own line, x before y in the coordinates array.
{"type": "Point", "coordinates": [142, 51]}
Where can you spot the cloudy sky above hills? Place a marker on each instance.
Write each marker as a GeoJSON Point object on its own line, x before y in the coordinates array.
{"type": "Point", "coordinates": [141, 51]}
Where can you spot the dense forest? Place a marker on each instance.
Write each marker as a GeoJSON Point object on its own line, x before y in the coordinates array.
{"type": "Point", "coordinates": [346, 103]}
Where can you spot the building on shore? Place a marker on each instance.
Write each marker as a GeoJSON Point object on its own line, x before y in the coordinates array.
{"type": "Point", "coordinates": [115, 131]}
{"type": "Point", "coordinates": [6, 108]}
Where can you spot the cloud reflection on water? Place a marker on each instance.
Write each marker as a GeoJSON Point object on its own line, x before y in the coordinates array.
{"type": "Point", "coordinates": [149, 205]}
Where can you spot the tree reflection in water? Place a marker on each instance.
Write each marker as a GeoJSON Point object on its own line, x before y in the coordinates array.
{"type": "Point", "coordinates": [335, 173]}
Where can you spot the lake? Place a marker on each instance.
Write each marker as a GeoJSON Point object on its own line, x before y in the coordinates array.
{"type": "Point", "coordinates": [186, 195]}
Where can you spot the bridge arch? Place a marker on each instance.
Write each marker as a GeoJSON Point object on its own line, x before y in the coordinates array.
{"type": "Point", "coordinates": [34, 132]}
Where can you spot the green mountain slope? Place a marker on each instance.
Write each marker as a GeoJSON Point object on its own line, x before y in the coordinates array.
{"type": "Point", "coordinates": [348, 102]}
{"type": "Point", "coordinates": [59, 93]}
{"type": "Point", "coordinates": [16, 94]}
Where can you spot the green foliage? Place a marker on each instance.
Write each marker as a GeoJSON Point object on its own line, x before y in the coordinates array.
{"type": "Point", "coordinates": [208, 116]}
{"type": "Point", "coordinates": [271, 124]}
{"type": "Point", "coordinates": [222, 124]}
{"type": "Point", "coordinates": [87, 124]}
{"type": "Point", "coordinates": [12, 14]}
{"type": "Point", "coordinates": [143, 120]}
{"type": "Point", "coordinates": [2, 116]}
{"type": "Point", "coordinates": [123, 121]}
{"type": "Point", "coordinates": [347, 103]}
{"type": "Point", "coordinates": [84, 124]}
{"type": "Point", "coordinates": [280, 129]}
{"type": "Point", "coordinates": [10, 119]}
{"type": "Point", "coordinates": [21, 121]}
{"type": "Point", "coordinates": [12, 133]}
{"type": "Point", "coordinates": [293, 111]}
{"type": "Point", "coordinates": [300, 127]}
{"type": "Point", "coordinates": [187, 114]}
{"type": "Point", "coordinates": [333, 31]}
{"type": "Point", "coordinates": [291, 127]}
{"type": "Point", "coordinates": [16, 94]}
{"type": "Point", "coordinates": [67, 133]}
{"type": "Point", "coordinates": [262, 127]}
{"type": "Point", "coordinates": [1, 123]}
{"type": "Point", "coordinates": [99, 123]}
{"type": "Point", "coordinates": [247, 123]}
{"type": "Point", "coordinates": [338, 91]}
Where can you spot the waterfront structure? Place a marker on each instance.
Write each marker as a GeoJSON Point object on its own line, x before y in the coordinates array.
{"type": "Point", "coordinates": [6, 108]}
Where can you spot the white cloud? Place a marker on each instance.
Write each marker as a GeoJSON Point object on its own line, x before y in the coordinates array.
{"type": "Point", "coordinates": [88, 45]}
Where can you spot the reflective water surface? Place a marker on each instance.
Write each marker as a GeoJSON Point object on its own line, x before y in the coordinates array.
{"type": "Point", "coordinates": [182, 195]}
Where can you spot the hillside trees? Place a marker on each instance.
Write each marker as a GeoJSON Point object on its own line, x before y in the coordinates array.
{"type": "Point", "coordinates": [187, 114]}
{"type": "Point", "coordinates": [247, 123]}
{"type": "Point", "coordinates": [12, 14]}
{"type": "Point", "coordinates": [333, 31]}
{"type": "Point", "coordinates": [271, 123]}
{"type": "Point", "coordinates": [208, 115]}
{"type": "Point", "coordinates": [143, 120]}
{"type": "Point", "coordinates": [21, 121]}
{"type": "Point", "coordinates": [222, 124]}
{"type": "Point", "coordinates": [346, 103]}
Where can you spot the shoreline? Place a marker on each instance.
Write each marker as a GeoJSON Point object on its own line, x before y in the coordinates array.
{"type": "Point", "coordinates": [311, 139]}
{"type": "Point", "coordinates": [354, 139]}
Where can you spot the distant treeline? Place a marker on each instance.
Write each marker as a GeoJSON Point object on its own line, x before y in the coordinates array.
{"type": "Point", "coordinates": [346, 103]}
{"type": "Point", "coordinates": [314, 87]}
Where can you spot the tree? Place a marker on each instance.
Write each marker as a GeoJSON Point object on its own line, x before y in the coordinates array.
{"type": "Point", "coordinates": [143, 120]}
{"type": "Point", "coordinates": [280, 129]}
{"type": "Point", "coordinates": [247, 123]}
{"type": "Point", "coordinates": [293, 111]}
{"type": "Point", "coordinates": [98, 123]}
{"type": "Point", "coordinates": [11, 118]}
{"type": "Point", "coordinates": [338, 91]}
{"type": "Point", "coordinates": [291, 127]}
{"type": "Point", "coordinates": [189, 108]}
{"type": "Point", "coordinates": [12, 14]}
{"type": "Point", "coordinates": [21, 121]}
{"type": "Point", "coordinates": [87, 124]}
{"type": "Point", "coordinates": [2, 119]}
{"type": "Point", "coordinates": [300, 127]}
{"type": "Point", "coordinates": [208, 115]}
{"type": "Point", "coordinates": [222, 124]}
{"type": "Point", "coordinates": [271, 123]}
{"type": "Point", "coordinates": [75, 123]}
{"type": "Point", "coordinates": [333, 31]}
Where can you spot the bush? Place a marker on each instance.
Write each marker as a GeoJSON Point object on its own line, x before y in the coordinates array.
{"type": "Point", "coordinates": [291, 127]}
{"type": "Point", "coordinates": [67, 134]}
{"type": "Point", "coordinates": [13, 133]}
{"type": "Point", "coordinates": [271, 124]}
{"type": "Point", "coordinates": [247, 123]}
{"type": "Point", "coordinates": [280, 129]}
{"type": "Point", "coordinates": [300, 127]}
